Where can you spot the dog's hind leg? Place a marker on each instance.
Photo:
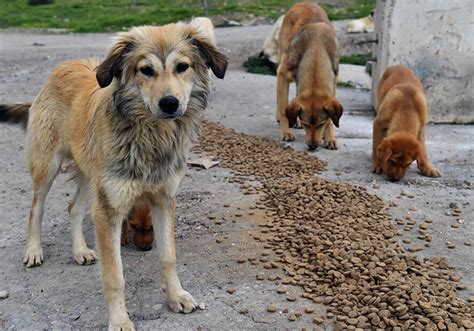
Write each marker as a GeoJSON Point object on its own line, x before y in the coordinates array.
{"type": "Point", "coordinates": [163, 216]}
{"type": "Point", "coordinates": [43, 174]}
{"type": "Point", "coordinates": [77, 210]}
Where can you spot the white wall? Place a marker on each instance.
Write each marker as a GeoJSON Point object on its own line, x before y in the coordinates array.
{"type": "Point", "coordinates": [435, 38]}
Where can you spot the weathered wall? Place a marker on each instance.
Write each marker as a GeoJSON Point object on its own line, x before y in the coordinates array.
{"type": "Point", "coordinates": [435, 38]}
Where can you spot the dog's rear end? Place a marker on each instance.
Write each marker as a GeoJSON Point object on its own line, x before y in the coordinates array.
{"type": "Point", "coordinates": [399, 128]}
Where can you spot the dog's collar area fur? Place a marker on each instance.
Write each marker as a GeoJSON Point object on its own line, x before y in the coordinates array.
{"type": "Point", "coordinates": [148, 148]}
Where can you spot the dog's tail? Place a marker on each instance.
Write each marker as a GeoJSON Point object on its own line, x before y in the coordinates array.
{"type": "Point", "coordinates": [16, 113]}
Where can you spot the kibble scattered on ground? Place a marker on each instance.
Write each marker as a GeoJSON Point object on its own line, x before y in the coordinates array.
{"type": "Point", "coordinates": [337, 241]}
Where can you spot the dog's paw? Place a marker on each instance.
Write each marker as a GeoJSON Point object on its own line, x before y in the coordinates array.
{"type": "Point", "coordinates": [182, 302]}
{"type": "Point", "coordinates": [84, 256]}
{"type": "Point", "coordinates": [376, 169]}
{"type": "Point", "coordinates": [331, 145]}
{"type": "Point", "coordinates": [123, 326]}
{"type": "Point", "coordinates": [33, 257]}
{"type": "Point", "coordinates": [288, 136]}
{"type": "Point", "coordinates": [431, 172]}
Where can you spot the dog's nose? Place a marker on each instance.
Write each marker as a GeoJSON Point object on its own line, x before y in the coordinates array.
{"type": "Point", "coordinates": [145, 248]}
{"type": "Point", "coordinates": [169, 104]}
{"type": "Point", "coordinates": [312, 147]}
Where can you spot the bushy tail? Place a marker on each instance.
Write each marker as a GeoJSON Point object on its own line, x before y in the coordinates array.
{"type": "Point", "coordinates": [16, 113]}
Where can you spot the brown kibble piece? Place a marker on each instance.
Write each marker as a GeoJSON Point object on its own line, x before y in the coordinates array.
{"type": "Point", "coordinates": [291, 297]}
{"type": "Point", "coordinates": [318, 320]}
{"type": "Point", "coordinates": [309, 310]}
{"type": "Point", "coordinates": [281, 290]}
{"type": "Point", "coordinates": [271, 308]}
{"type": "Point", "coordinates": [292, 317]}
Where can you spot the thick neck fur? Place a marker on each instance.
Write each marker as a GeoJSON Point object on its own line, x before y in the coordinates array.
{"type": "Point", "coordinates": [145, 147]}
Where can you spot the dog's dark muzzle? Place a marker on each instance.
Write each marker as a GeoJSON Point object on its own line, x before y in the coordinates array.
{"type": "Point", "coordinates": [312, 147]}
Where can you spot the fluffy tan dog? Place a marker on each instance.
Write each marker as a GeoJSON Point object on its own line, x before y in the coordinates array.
{"type": "Point", "coordinates": [308, 55]}
{"type": "Point", "coordinates": [364, 24]}
{"type": "Point", "coordinates": [399, 128]}
{"type": "Point", "coordinates": [270, 46]}
{"type": "Point", "coordinates": [128, 124]}
{"type": "Point", "coordinates": [141, 224]}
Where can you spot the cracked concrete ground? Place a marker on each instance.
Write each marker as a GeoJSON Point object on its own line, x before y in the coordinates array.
{"type": "Point", "coordinates": [61, 295]}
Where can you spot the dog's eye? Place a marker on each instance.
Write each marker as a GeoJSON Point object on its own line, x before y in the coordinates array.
{"type": "Point", "coordinates": [147, 71]}
{"type": "Point", "coordinates": [181, 67]}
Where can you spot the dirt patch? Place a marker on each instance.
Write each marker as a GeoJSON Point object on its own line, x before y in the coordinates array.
{"type": "Point", "coordinates": [337, 242]}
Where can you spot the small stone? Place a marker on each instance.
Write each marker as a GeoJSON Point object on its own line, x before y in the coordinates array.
{"type": "Point", "coordinates": [260, 277]}
{"type": "Point", "coordinates": [4, 295]}
{"type": "Point", "coordinates": [241, 260]}
{"type": "Point", "coordinates": [231, 290]}
{"type": "Point", "coordinates": [467, 243]}
{"type": "Point", "coordinates": [243, 311]}
{"type": "Point", "coordinates": [202, 306]}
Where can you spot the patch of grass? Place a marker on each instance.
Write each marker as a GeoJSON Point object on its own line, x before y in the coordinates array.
{"type": "Point", "coordinates": [114, 15]}
{"type": "Point", "coordinates": [345, 84]}
{"type": "Point", "coordinates": [358, 59]}
{"type": "Point", "coordinates": [257, 65]}
{"type": "Point", "coordinates": [355, 9]}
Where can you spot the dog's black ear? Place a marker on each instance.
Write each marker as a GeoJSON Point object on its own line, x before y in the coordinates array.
{"type": "Point", "coordinates": [214, 59]}
{"type": "Point", "coordinates": [292, 111]}
{"type": "Point", "coordinates": [112, 66]}
{"type": "Point", "coordinates": [334, 110]}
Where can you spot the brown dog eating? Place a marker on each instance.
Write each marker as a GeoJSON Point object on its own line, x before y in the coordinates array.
{"type": "Point", "coordinates": [141, 225]}
{"type": "Point", "coordinates": [309, 56]}
{"type": "Point", "coordinates": [399, 128]}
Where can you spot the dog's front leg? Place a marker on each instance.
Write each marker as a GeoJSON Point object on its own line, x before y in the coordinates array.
{"type": "Point", "coordinates": [163, 214]}
{"type": "Point", "coordinates": [377, 136]}
{"type": "Point", "coordinates": [108, 226]}
{"type": "Point", "coordinates": [283, 85]}
{"type": "Point", "coordinates": [424, 165]}
{"type": "Point", "coordinates": [329, 138]}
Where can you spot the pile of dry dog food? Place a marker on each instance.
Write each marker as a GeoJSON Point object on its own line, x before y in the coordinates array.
{"type": "Point", "coordinates": [337, 242]}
